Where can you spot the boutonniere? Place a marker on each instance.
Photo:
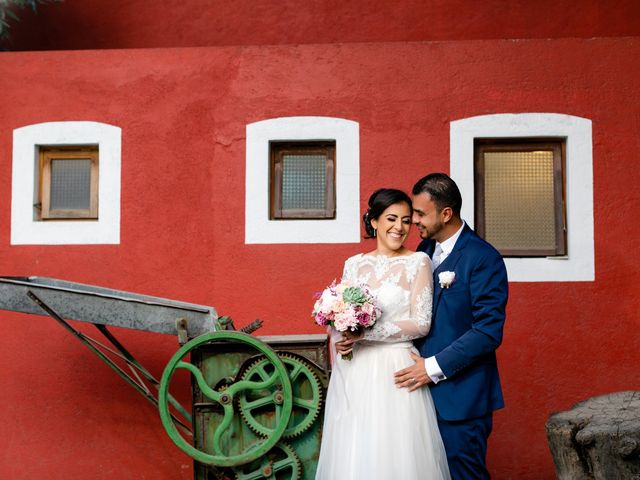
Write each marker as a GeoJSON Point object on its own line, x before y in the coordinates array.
{"type": "Point", "coordinates": [446, 279]}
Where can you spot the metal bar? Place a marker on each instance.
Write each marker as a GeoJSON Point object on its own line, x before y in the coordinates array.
{"type": "Point", "coordinates": [136, 367]}
{"type": "Point", "coordinates": [132, 362]}
{"type": "Point", "coordinates": [118, 370]}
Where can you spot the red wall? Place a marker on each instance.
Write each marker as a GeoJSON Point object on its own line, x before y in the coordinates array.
{"type": "Point", "coordinates": [183, 114]}
{"type": "Point", "coordinates": [91, 24]}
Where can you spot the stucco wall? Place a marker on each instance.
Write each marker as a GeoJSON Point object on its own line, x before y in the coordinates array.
{"type": "Point", "coordinates": [183, 114]}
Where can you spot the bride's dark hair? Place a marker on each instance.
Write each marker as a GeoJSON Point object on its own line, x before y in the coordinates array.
{"type": "Point", "coordinates": [379, 201]}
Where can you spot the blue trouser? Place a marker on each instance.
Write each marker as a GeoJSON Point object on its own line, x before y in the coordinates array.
{"type": "Point", "coordinates": [465, 442]}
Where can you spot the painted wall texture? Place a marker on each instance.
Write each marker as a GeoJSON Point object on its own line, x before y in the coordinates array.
{"type": "Point", "coordinates": [183, 114]}
{"type": "Point", "coordinates": [89, 24]}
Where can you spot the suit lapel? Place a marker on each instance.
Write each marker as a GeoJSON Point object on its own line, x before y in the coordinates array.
{"type": "Point", "coordinates": [427, 246]}
{"type": "Point", "coordinates": [449, 264]}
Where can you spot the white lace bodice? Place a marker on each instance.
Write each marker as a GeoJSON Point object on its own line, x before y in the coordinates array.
{"type": "Point", "coordinates": [403, 288]}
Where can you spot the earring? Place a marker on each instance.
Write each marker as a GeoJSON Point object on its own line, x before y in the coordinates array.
{"type": "Point", "coordinates": [375, 233]}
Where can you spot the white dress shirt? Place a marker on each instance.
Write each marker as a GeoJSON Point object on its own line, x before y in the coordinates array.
{"type": "Point", "coordinates": [431, 365]}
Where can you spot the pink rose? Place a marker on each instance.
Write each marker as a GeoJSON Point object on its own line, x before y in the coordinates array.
{"type": "Point", "coordinates": [341, 322]}
{"type": "Point", "coordinates": [368, 308]}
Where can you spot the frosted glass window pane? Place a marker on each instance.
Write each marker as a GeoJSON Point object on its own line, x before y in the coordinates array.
{"type": "Point", "coordinates": [70, 184]}
{"type": "Point", "coordinates": [519, 200]}
{"type": "Point", "coordinates": [304, 182]}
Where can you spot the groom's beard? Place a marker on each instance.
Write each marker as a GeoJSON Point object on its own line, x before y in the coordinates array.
{"type": "Point", "coordinates": [431, 232]}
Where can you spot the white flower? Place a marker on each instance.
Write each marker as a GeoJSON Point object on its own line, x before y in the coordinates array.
{"type": "Point", "coordinates": [326, 301]}
{"type": "Point", "coordinates": [446, 279]}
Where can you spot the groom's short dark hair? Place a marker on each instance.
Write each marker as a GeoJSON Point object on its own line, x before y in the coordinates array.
{"type": "Point", "coordinates": [443, 191]}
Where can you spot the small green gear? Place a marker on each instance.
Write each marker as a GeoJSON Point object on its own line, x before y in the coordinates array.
{"type": "Point", "coordinates": [257, 406]}
{"type": "Point", "coordinates": [281, 463]}
{"type": "Point", "coordinates": [223, 384]}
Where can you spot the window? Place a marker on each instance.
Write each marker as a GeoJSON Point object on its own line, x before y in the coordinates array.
{"type": "Point", "coordinates": [578, 262]}
{"type": "Point", "coordinates": [302, 180]}
{"type": "Point", "coordinates": [68, 183]}
{"type": "Point", "coordinates": [77, 158]}
{"type": "Point", "coordinates": [519, 196]}
{"type": "Point", "coordinates": [334, 139]}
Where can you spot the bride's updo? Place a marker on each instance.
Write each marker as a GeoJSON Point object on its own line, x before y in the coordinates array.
{"type": "Point", "coordinates": [379, 201]}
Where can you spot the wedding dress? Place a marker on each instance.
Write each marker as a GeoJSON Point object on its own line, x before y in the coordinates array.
{"type": "Point", "coordinates": [373, 429]}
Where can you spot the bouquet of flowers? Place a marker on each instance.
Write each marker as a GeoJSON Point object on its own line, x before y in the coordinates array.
{"type": "Point", "coordinates": [346, 307]}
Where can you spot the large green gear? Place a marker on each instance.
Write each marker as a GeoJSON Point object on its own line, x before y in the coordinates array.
{"type": "Point", "coordinates": [278, 379]}
{"type": "Point", "coordinates": [256, 406]}
{"type": "Point", "coordinates": [281, 463]}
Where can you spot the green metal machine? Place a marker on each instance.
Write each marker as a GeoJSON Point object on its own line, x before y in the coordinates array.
{"type": "Point", "coordinates": [257, 402]}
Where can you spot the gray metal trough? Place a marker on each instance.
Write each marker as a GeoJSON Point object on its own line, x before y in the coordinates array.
{"type": "Point", "coordinates": [103, 306]}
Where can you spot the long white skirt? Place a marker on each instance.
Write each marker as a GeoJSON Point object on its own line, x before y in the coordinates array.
{"type": "Point", "coordinates": [374, 430]}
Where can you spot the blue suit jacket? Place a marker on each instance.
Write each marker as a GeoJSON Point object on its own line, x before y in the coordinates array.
{"type": "Point", "coordinates": [467, 322]}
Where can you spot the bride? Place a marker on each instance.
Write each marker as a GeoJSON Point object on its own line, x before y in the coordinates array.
{"type": "Point", "coordinates": [373, 429]}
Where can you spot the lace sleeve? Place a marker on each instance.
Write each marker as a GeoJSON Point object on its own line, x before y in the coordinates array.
{"type": "Point", "coordinates": [349, 272]}
{"type": "Point", "coordinates": [415, 321]}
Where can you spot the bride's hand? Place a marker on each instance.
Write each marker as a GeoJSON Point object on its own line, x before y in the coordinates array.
{"type": "Point", "coordinates": [355, 336]}
{"type": "Point", "coordinates": [345, 346]}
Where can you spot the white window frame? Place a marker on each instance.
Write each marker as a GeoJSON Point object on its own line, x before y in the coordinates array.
{"type": "Point", "coordinates": [579, 263]}
{"type": "Point", "coordinates": [345, 228]}
{"type": "Point", "coordinates": [26, 228]}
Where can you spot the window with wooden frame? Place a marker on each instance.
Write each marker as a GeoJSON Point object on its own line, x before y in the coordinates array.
{"type": "Point", "coordinates": [520, 197]}
{"type": "Point", "coordinates": [302, 180]}
{"type": "Point", "coordinates": [68, 183]}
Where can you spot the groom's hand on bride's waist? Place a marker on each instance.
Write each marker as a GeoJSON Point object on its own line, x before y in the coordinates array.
{"type": "Point", "coordinates": [412, 377]}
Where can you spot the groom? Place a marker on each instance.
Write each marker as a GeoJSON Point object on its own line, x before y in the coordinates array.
{"type": "Point", "coordinates": [458, 358]}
